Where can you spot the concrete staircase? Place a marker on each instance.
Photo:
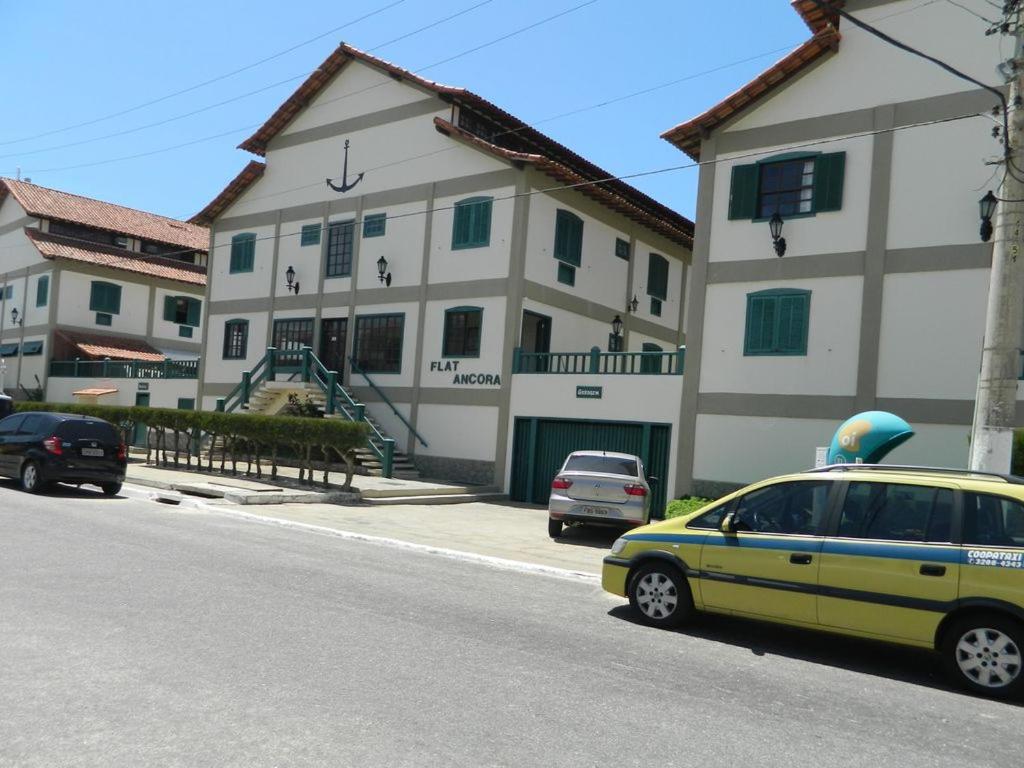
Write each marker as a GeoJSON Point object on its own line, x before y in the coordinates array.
{"type": "Point", "coordinates": [270, 397]}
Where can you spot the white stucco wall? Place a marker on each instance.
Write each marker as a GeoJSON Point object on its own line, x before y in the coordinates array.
{"type": "Point", "coordinates": [73, 304]}
{"type": "Point", "coordinates": [439, 371]}
{"type": "Point", "coordinates": [862, 75]}
{"type": "Point", "coordinates": [221, 371]}
{"type": "Point", "coordinates": [933, 324]}
{"type": "Point", "coordinates": [242, 285]}
{"type": "Point", "coordinates": [168, 331]}
{"type": "Point", "coordinates": [458, 431]}
{"type": "Point", "coordinates": [163, 393]}
{"type": "Point", "coordinates": [828, 368]}
{"type": "Point", "coordinates": [491, 261]}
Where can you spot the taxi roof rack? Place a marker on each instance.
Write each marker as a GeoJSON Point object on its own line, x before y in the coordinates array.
{"type": "Point", "coordinates": [1012, 479]}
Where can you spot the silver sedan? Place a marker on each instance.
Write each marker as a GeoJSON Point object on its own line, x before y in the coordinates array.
{"type": "Point", "coordinates": [599, 487]}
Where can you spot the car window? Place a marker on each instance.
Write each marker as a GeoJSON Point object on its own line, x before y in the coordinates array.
{"type": "Point", "coordinates": [895, 512]}
{"type": "Point", "coordinates": [993, 520]}
{"type": "Point", "coordinates": [10, 425]}
{"type": "Point", "coordinates": [75, 429]}
{"type": "Point", "coordinates": [612, 465]}
{"type": "Point", "coordinates": [795, 508]}
{"type": "Point", "coordinates": [711, 519]}
{"type": "Point", "coordinates": [32, 424]}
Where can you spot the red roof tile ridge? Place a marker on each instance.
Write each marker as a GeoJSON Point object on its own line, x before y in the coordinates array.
{"type": "Point", "coordinates": [24, 191]}
{"type": "Point", "coordinates": [252, 171]}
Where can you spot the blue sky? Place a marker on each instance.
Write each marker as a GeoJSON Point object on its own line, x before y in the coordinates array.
{"type": "Point", "coordinates": [82, 61]}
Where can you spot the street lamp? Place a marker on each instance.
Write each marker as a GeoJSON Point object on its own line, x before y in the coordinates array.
{"type": "Point", "coordinates": [291, 284]}
{"type": "Point", "coordinates": [14, 317]}
{"type": "Point", "coordinates": [775, 225]}
{"type": "Point", "coordinates": [617, 326]}
{"type": "Point", "coordinates": [382, 271]}
{"type": "Point", "coordinates": [987, 204]}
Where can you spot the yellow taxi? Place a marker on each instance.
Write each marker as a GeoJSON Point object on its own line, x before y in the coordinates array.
{"type": "Point", "coordinates": [926, 557]}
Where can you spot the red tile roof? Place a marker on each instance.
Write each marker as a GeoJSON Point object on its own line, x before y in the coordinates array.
{"type": "Point", "coordinates": [71, 249]}
{"type": "Point", "coordinates": [687, 136]}
{"type": "Point", "coordinates": [814, 17]}
{"type": "Point", "coordinates": [48, 203]}
{"type": "Point", "coordinates": [511, 134]}
{"type": "Point", "coordinates": [230, 193]}
{"type": "Point", "coordinates": [95, 392]}
{"type": "Point", "coordinates": [674, 229]}
{"type": "Point", "coordinates": [114, 347]}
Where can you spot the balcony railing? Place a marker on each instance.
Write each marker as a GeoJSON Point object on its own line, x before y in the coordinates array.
{"type": "Point", "coordinates": [125, 369]}
{"type": "Point", "coordinates": [596, 361]}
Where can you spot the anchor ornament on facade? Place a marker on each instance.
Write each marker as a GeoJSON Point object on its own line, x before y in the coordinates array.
{"type": "Point", "coordinates": [345, 186]}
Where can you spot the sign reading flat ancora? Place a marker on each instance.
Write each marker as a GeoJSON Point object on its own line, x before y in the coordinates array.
{"type": "Point", "coordinates": [485, 379]}
{"type": "Point", "coordinates": [593, 393]}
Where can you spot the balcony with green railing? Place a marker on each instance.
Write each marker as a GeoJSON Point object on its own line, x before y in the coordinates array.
{"type": "Point", "coordinates": [125, 369]}
{"type": "Point", "coordinates": [596, 361]}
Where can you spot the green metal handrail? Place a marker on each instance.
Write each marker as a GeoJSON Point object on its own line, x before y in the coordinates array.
{"type": "Point", "coordinates": [380, 393]}
{"type": "Point", "coordinates": [596, 361]}
{"type": "Point", "coordinates": [125, 369]}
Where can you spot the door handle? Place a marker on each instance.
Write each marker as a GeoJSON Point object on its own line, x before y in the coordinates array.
{"type": "Point", "coordinates": [800, 559]}
{"type": "Point", "coordinates": [933, 570]}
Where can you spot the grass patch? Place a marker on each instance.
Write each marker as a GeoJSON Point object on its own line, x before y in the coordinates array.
{"type": "Point", "coordinates": [684, 506]}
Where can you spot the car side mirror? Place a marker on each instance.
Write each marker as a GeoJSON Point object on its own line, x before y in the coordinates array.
{"type": "Point", "coordinates": [728, 523]}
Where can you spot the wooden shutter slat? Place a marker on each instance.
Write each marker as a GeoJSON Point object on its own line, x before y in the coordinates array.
{"type": "Point", "coordinates": [829, 171]}
{"type": "Point", "coordinates": [743, 192]}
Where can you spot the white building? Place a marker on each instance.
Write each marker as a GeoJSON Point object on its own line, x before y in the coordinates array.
{"type": "Point", "coordinates": [100, 298]}
{"type": "Point", "coordinates": [875, 160]}
{"type": "Point", "coordinates": [450, 234]}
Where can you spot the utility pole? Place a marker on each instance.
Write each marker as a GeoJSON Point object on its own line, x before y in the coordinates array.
{"type": "Point", "coordinates": [995, 405]}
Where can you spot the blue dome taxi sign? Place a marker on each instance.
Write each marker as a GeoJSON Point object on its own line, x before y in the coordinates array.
{"type": "Point", "coordinates": [868, 437]}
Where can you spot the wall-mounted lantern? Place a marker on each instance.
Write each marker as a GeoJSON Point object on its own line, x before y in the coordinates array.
{"type": "Point", "coordinates": [291, 284]}
{"type": "Point", "coordinates": [617, 326]}
{"type": "Point", "coordinates": [14, 317]}
{"type": "Point", "coordinates": [987, 204]}
{"type": "Point", "coordinates": [775, 226]}
{"type": "Point", "coordinates": [631, 306]}
{"type": "Point", "coordinates": [382, 271]}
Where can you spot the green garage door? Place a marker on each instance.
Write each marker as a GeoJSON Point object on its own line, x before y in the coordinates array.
{"type": "Point", "coordinates": [539, 448]}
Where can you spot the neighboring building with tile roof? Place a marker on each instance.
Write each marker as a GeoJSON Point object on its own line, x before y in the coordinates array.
{"type": "Point", "coordinates": [95, 295]}
{"type": "Point", "coordinates": [492, 238]}
{"type": "Point", "coordinates": [875, 160]}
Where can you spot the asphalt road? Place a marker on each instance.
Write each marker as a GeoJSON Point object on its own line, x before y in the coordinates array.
{"type": "Point", "coordinates": [133, 634]}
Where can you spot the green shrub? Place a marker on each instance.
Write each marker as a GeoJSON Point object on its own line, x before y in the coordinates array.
{"type": "Point", "coordinates": [242, 435]}
{"type": "Point", "coordinates": [1017, 462]}
{"type": "Point", "coordinates": [684, 506]}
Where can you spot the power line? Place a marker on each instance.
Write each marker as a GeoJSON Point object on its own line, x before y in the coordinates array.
{"type": "Point", "coordinates": [203, 84]}
{"type": "Point", "coordinates": [605, 180]}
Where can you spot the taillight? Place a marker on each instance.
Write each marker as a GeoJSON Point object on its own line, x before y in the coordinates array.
{"type": "Point", "coordinates": [561, 484]}
{"type": "Point", "coordinates": [122, 452]}
{"type": "Point", "coordinates": [53, 445]}
{"type": "Point", "coordinates": [635, 489]}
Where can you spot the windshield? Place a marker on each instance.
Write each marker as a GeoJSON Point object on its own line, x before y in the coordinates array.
{"type": "Point", "coordinates": [88, 430]}
{"type": "Point", "coordinates": [612, 465]}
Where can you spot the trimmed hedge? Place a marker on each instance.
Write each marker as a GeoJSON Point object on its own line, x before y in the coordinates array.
{"type": "Point", "coordinates": [1017, 462]}
{"type": "Point", "coordinates": [251, 436]}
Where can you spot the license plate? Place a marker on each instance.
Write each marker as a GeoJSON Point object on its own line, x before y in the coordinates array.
{"type": "Point", "coordinates": [600, 511]}
{"type": "Point", "coordinates": [92, 452]}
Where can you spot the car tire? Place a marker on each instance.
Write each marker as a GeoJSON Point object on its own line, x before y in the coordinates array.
{"type": "Point", "coordinates": [111, 489]}
{"type": "Point", "coordinates": [31, 479]}
{"type": "Point", "coordinates": [983, 653]}
{"type": "Point", "coordinates": [660, 595]}
{"type": "Point", "coordinates": [554, 528]}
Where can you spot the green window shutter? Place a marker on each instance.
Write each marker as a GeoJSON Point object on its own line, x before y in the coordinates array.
{"type": "Point", "coordinates": [195, 308]}
{"type": "Point", "coordinates": [760, 329]}
{"type": "Point", "coordinates": [657, 277]}
{"type": "Point", "coordinates": [105, 297]}
{"type": "Point", "coordinates": [374, 225]}
{"type": "Point", "coordinates": [170, 308]}
{"type": "Point", "coordinates": [42, 291]}
{"type": "Point", "coordinates": [793, 312]}
{"type": "Point", "coordinates": [566, 273]}
{"type": "Point", "coordinates": [243, 252]}
{"type": "Point", "coordinates": [829, 171]}
{"type": "Point", "coordinates": [472, 225]}
{"type": "Point", "coordinates": [568, 238]}
{"type": "Point", "coordinates": [310, 234]}
{"type": "Point", "coordinates": [743, 192]}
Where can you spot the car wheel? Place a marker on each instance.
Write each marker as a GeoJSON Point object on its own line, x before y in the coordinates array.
{"type": "Point", "coordinates": [31, 480]}
{"type": "Point", "coordinates": [111, 489]}
{"type": "Point", "coordinates": [659, 594]}
{"type": "Point", "coordinates": [554, 528]}
{"type": "Point", "coordinates": [983, 653]}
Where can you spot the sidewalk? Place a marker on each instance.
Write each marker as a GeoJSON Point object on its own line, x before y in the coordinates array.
{"type": "Point", "coordinates": [485, 529]}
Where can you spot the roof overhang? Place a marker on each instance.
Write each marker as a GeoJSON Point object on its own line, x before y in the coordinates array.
{"type": "Point", "coordinates": [235, 189]}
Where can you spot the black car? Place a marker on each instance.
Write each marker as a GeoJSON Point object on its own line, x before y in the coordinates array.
{"type": "Point", "coordinates": [44, 448]}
